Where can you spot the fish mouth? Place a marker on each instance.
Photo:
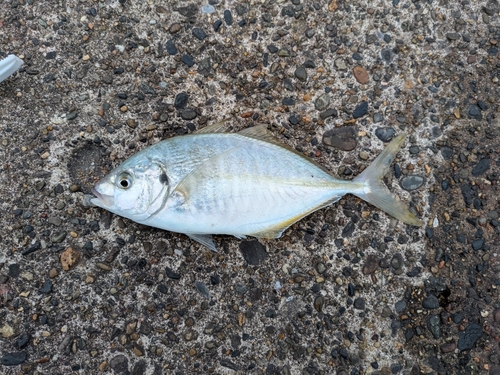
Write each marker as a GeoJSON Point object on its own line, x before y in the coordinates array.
{"type": "Point", "coordinates": [101, 200]}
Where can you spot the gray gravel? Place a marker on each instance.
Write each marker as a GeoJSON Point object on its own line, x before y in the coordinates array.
{"type": "Point", "coordinates": [347, 290]}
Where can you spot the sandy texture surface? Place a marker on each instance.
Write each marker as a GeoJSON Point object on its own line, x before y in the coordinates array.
{"type": "Point", "coordinates": [345, 291]}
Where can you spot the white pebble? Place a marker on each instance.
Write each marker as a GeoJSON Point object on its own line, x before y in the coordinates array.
{"type": "Point", "coordinates": [435, 223]}
{"type": "Point", "coordinates": [208, 9]}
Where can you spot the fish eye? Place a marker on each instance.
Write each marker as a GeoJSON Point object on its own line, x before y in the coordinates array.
{"type": "Point", "coordinates": [125, 181]}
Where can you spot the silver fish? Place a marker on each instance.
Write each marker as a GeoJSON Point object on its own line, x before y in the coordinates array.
{"type": "Point", "coordinates": [240, 184]}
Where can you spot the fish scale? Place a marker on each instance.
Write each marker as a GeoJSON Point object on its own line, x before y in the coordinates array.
{"type": "Point", "coordinates": [240, 184]}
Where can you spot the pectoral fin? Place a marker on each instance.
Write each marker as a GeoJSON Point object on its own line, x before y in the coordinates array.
{"type": "Point", "coordinates": [204, 239]}
{"type": "Point", "coordinates": [201, 173]}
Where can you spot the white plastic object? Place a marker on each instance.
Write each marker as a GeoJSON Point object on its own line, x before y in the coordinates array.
{"type": "Point", "coordinates": [9, 66]}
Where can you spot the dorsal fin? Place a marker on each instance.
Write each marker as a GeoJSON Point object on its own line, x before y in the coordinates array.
{"type": "Point", "coordinates": [261, 133]}
{"type": "Point", "coordinates": [218, 127]}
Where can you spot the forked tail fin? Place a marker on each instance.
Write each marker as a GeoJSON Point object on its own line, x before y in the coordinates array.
{"type": "Point", "coordinates": [375, 191]}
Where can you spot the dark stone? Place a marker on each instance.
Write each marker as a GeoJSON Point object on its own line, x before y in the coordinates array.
{"type": "Point", "coordinates": [162, 288]}
{"type": "Point", "coordinates": [377, 117]}
{"type": "Point", "coordinates": [343, 138]}
{"type": "Point", "coordinates": [188, 60]}
{"type": "Point", "coordinates": [447, 152]}
{"type": "Point", "coordinates": [474, 112]}
{"type": "Point", "coordinates": [23, 340]}
{"type": "Point", "coordinates": [14, 270]}
{"type": "Point", "coordinates": [397, 261]}
{"type": "Point", "coordinates": [386, 55]}
{"type": "Point", "coordinates": [46, 287]}
{"type": "Point", "coordinates": [288, 10]}
{"type": "Point", "coordinates": [189, 10]}
{"type": "Point", "coordinates": [119, 364]}
{"type": "Point", "coordinates": [400, 306]}
{"type": "Point", "coordinates": [13, 359]}
{"type": "Point", "coordinates": [370, 265]}
{"type": "Point", "coordinates": [360, 110]}
{"type": "Point", "coordinates": [434, 325]}
{"type": "Point", "coordinates": [430, 302]}
{"type": "Point", "coordinates": [171, 48]}
{"type": "Point", "coordinates": [172, 274]}
{"type": "Point", "coordinates": [181, 100]}
{"type": "Point", "coordinates": [272, 48]}
{"type": "Point", "coordinates": [228, 17]}
{"type": "Point", "coordinates": [301, 74]}
{"type": "Point", "coordinates": [452, 36]}
{"type": "Point", "coordinates": [359, 303]}
{"type": "Point", "coordinates": [457, 318]}
{"type": "Point", "coordinates": [202, 288]}
{"type": "Point", "coordinates": [309, 64]}
{"type": "Point", "coordinates": [468, 338]}
{"type": "Point", "coordinates": [396, 368]}
{"type": "Point", "coordinates": [448, 347]}
{"type": "Point", "coordinates": [477, 244]}
{"type": "Point", "coordinates": [140, 368]}
{"type": "Point", "coordinates": [414, 150]}
{"type": "Point", "coordinates": [385, 134]}
{"type": "Point", "coordinates": [328, 113]}
{"type": "Point", "coordinates": [348, 229]}
{"type": "Point", "coordinates": [253, 252]}
{"type": "Point", "coordinates": [409, 334]}
{"type": "Point", "coordinates": [199, 33]}
{"type": "Point", "coordinates": [188, 114]}
{"type": "Point", "coordinates": [412, 182]}
{"type": "Point", "coordinates": [215, 279]}
{"type": "Point", "coordinates": [481, 167]}
{"type": "Point", "coordinates": [216, 25]}
{"type": "Point", "coordinates": [229, 364]}
{"type": "Point", "coordinates": [288, 101]}
{"type": "Point", "coordinates": [51, 55]}
{"type": "Point", "coordinates": [322, 102]}
{"type": "Point", "coordinates": [36, 246]}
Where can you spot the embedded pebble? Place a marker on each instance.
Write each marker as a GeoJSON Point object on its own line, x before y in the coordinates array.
{"type": "Point", "coordinates": [301, 74]}
{"type": "Point", "coordinates": [13, 359]}
{"type": "Point", "coordinates": [343, 138]}
{"type": "Point", "coordinates": [412, 182]}
{"type": "Point", "coordinates": [360, 74]}
{"type": "Point", "coordinates": [253, 252]}
{"type": "Point", "coordinates": [208, 9]}
{"type": "Point", "coordinates": [430, 302]}
{"type": "Point", "coordinates": [385, 134]}
{"type": "Point", "coordinates": [360, 110]}
{"type": "Point", "coordinates": [322, 102]}
{"type": "Point", "coordinates": [469, 337]}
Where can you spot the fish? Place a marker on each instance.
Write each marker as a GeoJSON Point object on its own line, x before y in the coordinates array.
{"type": "Point", "coordinates": [244, 183]}
{"type": "Point", "coordinates": [9, 66]}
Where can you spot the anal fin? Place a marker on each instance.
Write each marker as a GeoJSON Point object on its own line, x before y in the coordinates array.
{"type": "Point", "coordinates": [277, 230]}
{"type": "Point", "coordinates": [204, 239]}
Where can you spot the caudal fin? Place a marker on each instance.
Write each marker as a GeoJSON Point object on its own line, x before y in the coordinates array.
{"type": "Point", "coordinates": [377, 193]}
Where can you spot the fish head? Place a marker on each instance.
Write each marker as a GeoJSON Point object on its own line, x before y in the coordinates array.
{"type": "Point", "coordinates": [136, 189]}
